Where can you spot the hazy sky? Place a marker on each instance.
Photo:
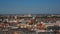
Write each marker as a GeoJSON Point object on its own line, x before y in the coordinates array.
{"type": "Point", "coordinates": [29, 6]}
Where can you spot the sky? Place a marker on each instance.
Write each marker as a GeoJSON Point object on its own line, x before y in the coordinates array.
{"type": "Point", "coordinates": [29, 6]}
